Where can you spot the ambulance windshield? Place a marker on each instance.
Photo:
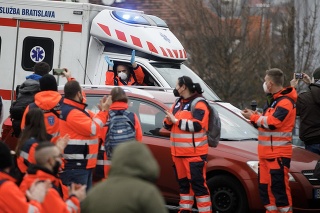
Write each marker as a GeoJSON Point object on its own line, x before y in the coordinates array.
{"type": "Point", "coordinates": [171, 72]}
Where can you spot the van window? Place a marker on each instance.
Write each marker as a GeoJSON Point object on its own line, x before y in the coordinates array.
{"type": "Point", "coordinates": [35, 50]}
{"type": "Point", "coordinates": [159, 22]}
{"type": "Point", "coordinates": [0, 45]}
{"type": "Point", "coordinates": [171, 72]}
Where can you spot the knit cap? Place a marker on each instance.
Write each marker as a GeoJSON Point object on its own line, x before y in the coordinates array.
{"type": "Point", "coordinates": [48, 82]}
{"type": "Point", "coordinates": [316, 73]}
{"type": "Point", "coordinates": [5, 156]}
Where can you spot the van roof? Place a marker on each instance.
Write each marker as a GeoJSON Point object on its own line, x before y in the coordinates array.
{"type": "Point", "coordinates": [138, 31]}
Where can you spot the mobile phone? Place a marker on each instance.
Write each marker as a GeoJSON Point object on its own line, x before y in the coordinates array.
{"type": "Point", "coordinates": [299, 75]}
{"type": "Point", "coordinates": [58, 71]}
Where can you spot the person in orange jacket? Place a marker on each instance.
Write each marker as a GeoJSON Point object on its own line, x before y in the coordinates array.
{"type": "Point", "coordinates": [80, 155]}
{"type": "Point", "coordinates": [118, 101]}
{"type": "Point", "coordinates": [48, 100]}
{"type": "Point", "coordinates": [275, 127]}
{"type": "Point", "coordinates": [122, 75]}
{"type": "Point", "coordinates": [12, 199]}
{"type": "Point", "coordinates": [58, 199]}
{"type": "Point", "coordinates": [189, 146]}
{"type": "Point", "coordinates": [33, 133]}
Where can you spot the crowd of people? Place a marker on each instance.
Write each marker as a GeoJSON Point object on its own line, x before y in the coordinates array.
{"type": "Point", "coordinates": [62, 145]}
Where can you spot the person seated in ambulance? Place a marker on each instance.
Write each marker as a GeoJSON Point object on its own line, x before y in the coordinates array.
{"type": "Point", "coordinates": [122, 74]}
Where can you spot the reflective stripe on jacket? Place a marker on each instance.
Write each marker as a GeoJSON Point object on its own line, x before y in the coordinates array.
{"type": "Point", "coordinates": [188, 136]}
{"type": "Point", "coordinates": [275, 125]}
{"type": "Point", "coordinates": [83, 129]}
{"type": "Point", "coordinates": [26, 156]}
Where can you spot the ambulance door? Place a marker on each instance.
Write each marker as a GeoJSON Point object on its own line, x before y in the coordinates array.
{"type": "Point", "coordinates": [36, 42]}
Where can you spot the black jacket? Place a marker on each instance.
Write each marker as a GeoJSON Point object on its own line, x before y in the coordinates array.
{"type": "Point", "coordinates": [308, 107]}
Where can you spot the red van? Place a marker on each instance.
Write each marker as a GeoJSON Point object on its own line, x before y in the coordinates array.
{"type": "Point", "coordinates": [232, 166]}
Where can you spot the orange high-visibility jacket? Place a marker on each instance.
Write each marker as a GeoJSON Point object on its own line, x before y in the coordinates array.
{"type": "Point", "coordinates": [13, 200]}
{"type": "Point", "coordinates": [83, 129]}
{"type": "Point", "coordinates": [47, 101]}
{"type": "Point", "coordinates": [111, 79]}
{"type": "Point", "coordinates": [26, 156]}
{"type": "Point", "coordinates": [188, 135]}
{"type": "Point", "coordinates": [57, 198]}
{"type": "Point", "coordinates": [275, 125]}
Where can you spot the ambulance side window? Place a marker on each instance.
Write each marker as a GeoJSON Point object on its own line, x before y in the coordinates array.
{"type": "Point", "coordinates": [36, 49]}
{"type": "Point", "coordinates": [148, 79]}
{"type": "Point", "coordinates": [0, 45]}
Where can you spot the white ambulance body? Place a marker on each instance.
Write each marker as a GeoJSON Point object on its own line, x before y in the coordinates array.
{"type": "Point", "coordinates": [77, 36]}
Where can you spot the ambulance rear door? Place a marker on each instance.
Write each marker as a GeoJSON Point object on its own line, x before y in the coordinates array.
{"type": "Point", "coordinates": [36, 42]}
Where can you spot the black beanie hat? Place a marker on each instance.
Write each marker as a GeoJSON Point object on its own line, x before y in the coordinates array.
{"type": "Point", "coordinates": [316, 74]}
{"type": "Point", "coordinates": [5, 156]}
{"type": "Point", "coordinates": [48, 82]}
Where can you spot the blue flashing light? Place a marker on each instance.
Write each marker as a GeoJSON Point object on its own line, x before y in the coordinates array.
{"type": "Point", "coordinates": [130, 18]}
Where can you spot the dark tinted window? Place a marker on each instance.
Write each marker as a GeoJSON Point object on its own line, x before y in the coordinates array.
{"type": "Point", "coordinates": [36, 49]}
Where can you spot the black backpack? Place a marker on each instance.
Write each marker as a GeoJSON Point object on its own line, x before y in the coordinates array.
{"type": "Point", "coordinates": [120, 129]}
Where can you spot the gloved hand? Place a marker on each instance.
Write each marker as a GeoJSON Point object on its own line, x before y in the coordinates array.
{"type": "Point", "coordinates": [110, 63]}
{"type": "Point", "coordinates": [133, 57]}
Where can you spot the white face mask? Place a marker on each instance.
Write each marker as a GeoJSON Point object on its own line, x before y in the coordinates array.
{"type": "Point", "coordinates": [123, 76]}
{"type": "Point", "coordinates": [265, 88]}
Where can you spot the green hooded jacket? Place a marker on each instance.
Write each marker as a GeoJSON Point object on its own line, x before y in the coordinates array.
{"type": "Point", "coordinates": [130, 185]}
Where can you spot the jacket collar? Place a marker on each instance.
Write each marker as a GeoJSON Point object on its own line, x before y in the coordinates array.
{"type": "Point", "coordinates": [74, 103]}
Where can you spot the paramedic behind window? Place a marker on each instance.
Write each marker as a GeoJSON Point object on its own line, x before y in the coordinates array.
{"type": "Point", "coordinates": [275, 127]}
{"type": "Point", "coordinates": [80, 155]}
{"type": "Point", "coordinates": [308, 108]}
{"type": "Point", "coordinates": [122, 74]}
{"type": "Point", "coordinates": [189, 146]}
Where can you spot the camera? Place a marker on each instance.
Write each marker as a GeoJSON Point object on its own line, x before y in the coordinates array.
{"type": "Point", "coordinates": [299, 75]}
{"type": "Point", "coordinates": [58, 71]}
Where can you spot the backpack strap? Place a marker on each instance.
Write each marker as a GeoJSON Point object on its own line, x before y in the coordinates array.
{"type": "Point", "coordinates": [195, 101]}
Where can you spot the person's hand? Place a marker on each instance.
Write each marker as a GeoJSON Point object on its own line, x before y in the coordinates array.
{"type": "Point", "coordinates": [66, 73]}
{"type": "Point", "coordinates": [171, 117]}
{"type": "Point", "coordinates": [38, 190]}
{"type": "Point", "coordinates": [62, 142]}
{"type": "Point", "coordinates": [78, 190]}
{"type": "Point", "coordinates": [133, 59]}
{"type": "Point", "coordinates": [294, 82]}
{"type": "Point", "coordinates": [109, 62]}
{"type": "Point", "coordinates": [104, 103]}
{"type": "Point", "coordinates": [247, 113]}
{"type": "Point", "coordinates": [306, 78]}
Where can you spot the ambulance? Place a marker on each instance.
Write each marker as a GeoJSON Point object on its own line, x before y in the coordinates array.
{"type": "Point", "coordinates": [78, 36]}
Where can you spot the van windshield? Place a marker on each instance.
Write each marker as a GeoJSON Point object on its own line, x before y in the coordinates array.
{"type": "Point", "coordinates": [171, 72]}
